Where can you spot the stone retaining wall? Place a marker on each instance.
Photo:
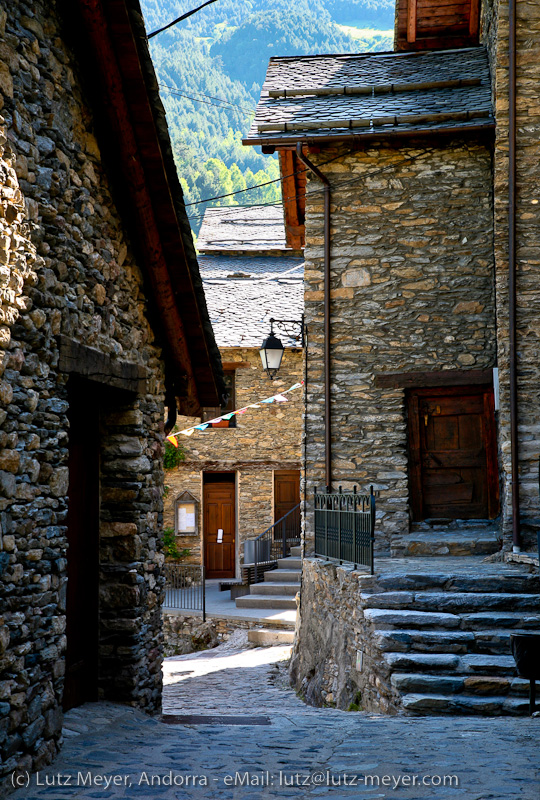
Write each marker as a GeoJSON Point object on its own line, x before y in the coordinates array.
{"type": "Point", "coordinates": [187, 634]}
{"type": "Point", "coordinates": [334, 660]}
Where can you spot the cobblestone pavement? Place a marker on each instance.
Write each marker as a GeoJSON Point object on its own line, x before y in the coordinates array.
{"type": "Point", "coordinates": [288, 750]}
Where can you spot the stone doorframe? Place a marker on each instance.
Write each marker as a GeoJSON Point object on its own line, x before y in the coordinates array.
{"type": "Point", "coordinates": [130, 506]}
{"type": "Point", "coordinates": [436, 379]}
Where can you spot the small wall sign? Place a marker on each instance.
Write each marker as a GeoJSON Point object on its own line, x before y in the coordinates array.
{"type": "Point", "coordinates": [186, 515]}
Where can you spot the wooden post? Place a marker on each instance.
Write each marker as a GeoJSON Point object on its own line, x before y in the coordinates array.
{"type": "Point", "coordinates": [411, 21]}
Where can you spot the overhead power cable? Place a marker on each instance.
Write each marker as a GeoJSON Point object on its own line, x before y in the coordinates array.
{"type": "Point", "coordinates": [179, 19]}
{"type": "Point", "coordinates": [232, 209]}
{"type": "Point", "coordinates": [258, 185]}
{"type": "Point", "coordinates": [172, 90]}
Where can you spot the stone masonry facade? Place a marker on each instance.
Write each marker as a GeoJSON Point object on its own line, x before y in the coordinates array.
{"type": "Point", "coordinates": [411, 290]}
{"type": "Point", "coordinates": [528, 249]}
{"type": "Point", "coordinates": [265, 440]}
{"type": "Point", "coordinates": [67, 268]}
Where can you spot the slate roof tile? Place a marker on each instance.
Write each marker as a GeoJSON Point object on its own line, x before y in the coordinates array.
{"type": "Point", "coordinates": [243, 229]}
{"type": "Point", "coordinates": [371, 93]}
{"type": "Point", "coordinates": [240, 308]}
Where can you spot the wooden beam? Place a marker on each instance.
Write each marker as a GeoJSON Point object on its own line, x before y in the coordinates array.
{"type": "Point", "coordinates": [292, 190]}
{"type": "Point", "coordinates": [419, 380]}
{"type": "Point", "coordinates": [229, 365]}
{"type": "Point", "coordinates": [474, 18]}
{"type": "Point", "coordinates": [411, 20]}
{"type": "Point", "coordinates": [78, 359]}
{"type": "Point", "coordinates": [130, 158]}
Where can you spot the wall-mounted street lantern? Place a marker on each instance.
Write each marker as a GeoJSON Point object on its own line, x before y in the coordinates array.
{"type": "Point", "coordinates": [272, 349]}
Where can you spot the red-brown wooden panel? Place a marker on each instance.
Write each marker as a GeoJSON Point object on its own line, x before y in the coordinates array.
{"type": "Point", "coordinates": [219, 513]}
{"type": "Point", "coordinates": [452, 453]}
{"type": "Point", "coordinates": [426, 24]}
{"type": "Point", "coordinates": [286, 492]}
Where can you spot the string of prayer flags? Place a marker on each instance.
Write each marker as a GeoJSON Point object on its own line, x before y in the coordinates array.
{"type": "Point", "coordinates": [276, 398]}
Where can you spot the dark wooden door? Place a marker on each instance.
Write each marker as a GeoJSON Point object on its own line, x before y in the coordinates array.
{"type": "Point", "coordinates": [286, 492]}
{"type": "Point", "coordinates": [453, 458]}
{"type": "Point", "coordinates": [81, 681]}
{"type": "Point", "coordinates": [219, 514]}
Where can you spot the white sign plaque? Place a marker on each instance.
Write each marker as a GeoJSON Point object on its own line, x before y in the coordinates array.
{"type": "Point", "coordinates": [186, 519]}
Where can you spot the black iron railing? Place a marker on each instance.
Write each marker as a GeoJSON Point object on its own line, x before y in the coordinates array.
{"type": "Point", "coordinates": [273, 543]}
{"type": "Point", "coordinates": [184, 587]}
{"type": "Point", "coordinates": [345, 526]}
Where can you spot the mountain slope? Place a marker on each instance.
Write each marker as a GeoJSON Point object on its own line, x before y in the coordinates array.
{"type": "Point", "coordinates": [211, 67]}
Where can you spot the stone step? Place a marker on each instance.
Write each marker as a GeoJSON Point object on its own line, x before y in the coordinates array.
{"type": "Point", "coordinates": [446, 543]}
{"type": "Point", "coordinates": [282, 575]}
{"type": "Point", "coordinates": [269, 637]}
{"type": "Point", "coordinates": [444, 641]}
{"type": "Point", "coordinates": [491, 582]}
{"type": "Point", "coordinates": [290, 563]}
{"type": "Point", "coordinates": [269, 588]}
{"type": "Point", "coordinates": [443, 663]}
{"type": "Point", "coordinates": [382, 618]}
{"type": "Point", "coordinates": [421, 683]}
{"type": "Point", "coordinates": [452, 602]}
{"type": "Point", "coordinates": [266, 601]}
{"type": "Point", "coordinates": [529, 620]}
{"type": "Point", "coordinates": [458, 704]}
{"type": "Point", "coordinates": [296, 551]}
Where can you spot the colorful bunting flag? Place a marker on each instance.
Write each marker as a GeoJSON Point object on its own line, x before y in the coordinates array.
{"type": "Point", "coordinates": [276, 398]}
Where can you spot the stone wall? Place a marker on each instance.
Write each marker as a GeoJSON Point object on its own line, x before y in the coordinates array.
{"type": "Point", "coordinates": [330, 633]}
{"type": "Point", "coordinates": [187, 634]}
{"type": "Point", "coordinates": [66, 267]}
{"type": "Point", "coordinates": [265, 440]}
{"type": "Point", "coordinates": [528, 250]}
{"type": "Point", "coordinates": [411, 290]}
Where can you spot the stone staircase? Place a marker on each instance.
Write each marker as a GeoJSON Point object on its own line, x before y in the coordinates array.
{"type": "Point", "coordinates": [277, 591]}
{"type": "Point", "coordinates": [279, 588]}
{"type": "Point", "coordinates": [437, 633]}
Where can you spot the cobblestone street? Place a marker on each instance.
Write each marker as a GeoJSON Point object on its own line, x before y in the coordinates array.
{"type": "Point", "coordinates": [287, 749]}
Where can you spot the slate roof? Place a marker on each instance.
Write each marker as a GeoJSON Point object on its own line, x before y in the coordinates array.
{"type": "Point", "coordinates": [243, 229]}
{"type": "Point", "coordinates": [373, 94]}
{"type": "Point", "coordinates": [240, 308]}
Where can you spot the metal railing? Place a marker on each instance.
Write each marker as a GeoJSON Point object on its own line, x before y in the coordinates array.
{"type": "Point", "coordinates": [185, 588]}
{"type": "Point", "coordinates": [345, 526]}
{"type": "Point", "coordinates": [276, 541]}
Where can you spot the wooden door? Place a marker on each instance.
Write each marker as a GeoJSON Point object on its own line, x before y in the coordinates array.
{"type": "Point", "coordinates": [286, 492]}
{"type": "Point", "coordinates": [81, 681]}
{"type": "Point", "coordinates": [453, 457]}
{"type": "Point", "coordinates": [219, 514]}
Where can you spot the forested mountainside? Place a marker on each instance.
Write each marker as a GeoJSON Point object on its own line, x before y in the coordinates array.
{"type": "Point", "coordinates": [211, 68]}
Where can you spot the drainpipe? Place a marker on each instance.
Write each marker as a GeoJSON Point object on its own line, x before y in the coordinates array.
{"type": "Point", "coordinates": [516, 537]}
{"type": "Point", "coordinates": [327, 399]}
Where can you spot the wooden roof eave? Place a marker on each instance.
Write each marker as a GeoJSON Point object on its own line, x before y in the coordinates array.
{"type": "Point", "coordinates": [132, 121]}
{"type": "Point", "coordinates": [290, 141]}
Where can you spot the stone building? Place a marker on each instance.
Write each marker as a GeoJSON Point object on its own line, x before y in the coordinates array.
{"type": "Point", "coordinates": [422, 377]}
{"type": "Point", "coordinates": [103, 316]}
{"type": "Point", "coordinates": [246, 469]}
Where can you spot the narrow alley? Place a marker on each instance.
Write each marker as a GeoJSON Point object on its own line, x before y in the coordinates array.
{"type": "Point", "coordinates": [236, 730]}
